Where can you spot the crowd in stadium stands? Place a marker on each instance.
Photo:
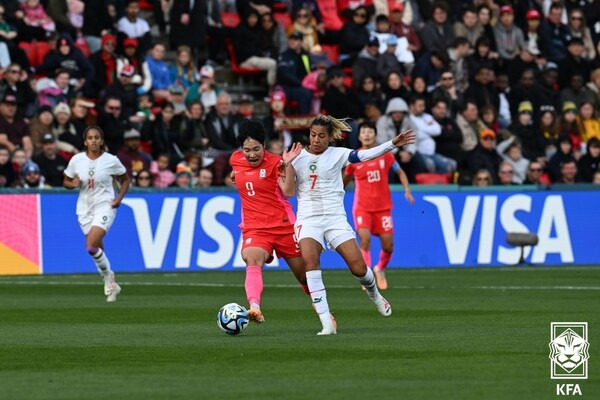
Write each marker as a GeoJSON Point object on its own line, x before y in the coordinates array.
{"type": "Point", "coordinates": [499, 92]}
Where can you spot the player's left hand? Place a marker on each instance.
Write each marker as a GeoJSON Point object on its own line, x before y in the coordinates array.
{"type": "Point", "coordinates": [116, 203]}
{"type": "Point", "coordinates": [289, 156]}
{"type": "Point", "coordinates": [404, 138]}
{"type": "Point", "coordinates": [409, 197]}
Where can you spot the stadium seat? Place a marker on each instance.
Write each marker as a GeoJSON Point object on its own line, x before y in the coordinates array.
{"type": "Point", "coordinates": [241, 72]}
{"type": "Point", "coordinates": [146, 5]}
{"type": "Point", "coordinates": [280, 7]}
{"type": "Point", "coordinates": [42, 48]}
{"type": "Point", "coordinates": [83, 46]}
{"type": "Point", "coordinates": [230, 20]}
{"type": "Point", "coordinates": [433, 179]}
{"type": "Point", "coordinates": [332, 52]}
{"type": "Point", "coordinates": [283, 19]}
{"type": "Point", "coordinates": [31, 52]}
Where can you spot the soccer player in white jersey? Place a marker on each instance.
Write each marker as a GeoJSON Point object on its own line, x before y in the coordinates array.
{"type": "Point", "coordinates": [93, 172]}
{"type": "Point", "coordinates": [321, 215]}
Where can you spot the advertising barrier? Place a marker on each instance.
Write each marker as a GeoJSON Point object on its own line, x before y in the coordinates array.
{"type": "Point", "coordinates": [170, 231]}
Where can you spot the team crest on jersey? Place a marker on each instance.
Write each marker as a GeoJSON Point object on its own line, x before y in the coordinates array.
{"type": "Point", "coordinates": [382, 164]}
{"type": "Point", "coordinates": [312, 167]}
{"type": "Point", "coordinates": [91, 172]}
{"type": "Point", "coordinates": [262, 173]}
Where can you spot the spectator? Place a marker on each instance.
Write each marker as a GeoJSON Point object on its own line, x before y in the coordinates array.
{"type": "Point", "coordinates": [8, 36]}
{"type": "Point", "coordinates": [369, 95]}
{"type": "Point", "coordinates": [164, 133]}
{"type": "Point", "coordinates": [509, 38]}
{"type": "Point", "coordinates": [366, 62]}
{"type": "Point", "coordinates": [427, 130]}
{"type": "Point", "coordinates": [275, 147]}
{"type": "Point", "coordinates": [484, 155]}
{"type": "Point", "coordinates": [554, 33]}
{"type": "Point", "coordinates": [470, 125]}
{"type": "Point", "coordinates": [132, 26]}
{"type": "Point", "coordinates": [249, 49]}
{"type": "Point", "coordinates": [142, 78]}
{"type": "Point", "coordinates": [16, 82]}
{"type": "Point", "coordinates": [548, 85]}
{"type": "Point", "coordinates": [36, 20]}
{"type": "Point", "coordinates": [50, 162]}
{"type": "Point", "coordinates": [523, 128]}
{"type": "Point", "coordinates": [125, 90]}
{"type": "Point", "coordinates": [64, 131]}
{"type": "Point", "coordinates": [437, 35]}
{"type": "Point", "coordinates": [183, 179]}
{"type": "Point", "coordinates": [245, 107]}
{"type": "Point", "coordinates": [303, 23]}
{"type": "Point", "coordinates": [221, 125]}
{"type": "Point", "coordinates": [429, 67]}
{"type": "Point", "coordinates": [588, 125]}
{"type": "Point", "coordinates": [195, 137]}
{"type": "Point", "coordinates": [191, 162]}
{"type": "Point", "coordinates": [596, 178]}
{"type": "Point", "coordinates": [159, 70]}
{"type": "Point", "coordinates": [506, 174]}
{"type": "Point", "coordinates": [457, 56]}
{"type": "Point", "coordinates": [104, 62]}
{"type": "Point", "coordinates": [54, 91]}
{"type": "Point", "coordinates": [293, 66]}
{"type": "Point", "coordinates": [534, 174]}
{"type": "Point", "coordinates": [564, 152]}
{"type": "Point", "coordinates": [272, 36]}
{"type": "Point", "coordinates": [387, 62]}
{"type": "Point", "coordinates": [548, 129]}
{"type": "Point", "coordinates": [97, 21]}
{"type": "Point", "coordinates": [7, 174]}
{"type": "Point", "coordinates": [70, 58]}
{"type": "Point", "coordinates": [589, 163]}
{"type": "Point", "coordinates": [143, 179]}
{"type": "Point", "coordinates": [526, 90]}
{"type": "Point", "coordinates": [468, 28]}
{"type": "Point", "coordinates": [577, 28]}
{"type": "Point", "coordinates": [31, 177]}
{"type": "Point", "coordinates": [177, 98]}
{"type": "Point", "coordinates": [568, 172]}
{"type": "Point", "coordinates": [482, 55]}
{"type": "Point", "coordinates": [113, 123]}
{"type": "Point", "coordinates": [531, 35]}
{"type": "Point", "coordinates": [81, 117]}
{"type": "Point", "coordinates": [204, 90]}
{"type": "Point", "coordinates": [14, 132]}
{"type": "Point", "coordinates": [448, 143]}
{"type": "Point", "coordinates": [524, 62]}
{"type": "Point", "coordinates": [568, 124]}
{"type": "Point", "coordinates": [482, 90]}
{"type": "Point", "coordinates": [511, 152]}
{"type": "Point", "coordinates": [482, 178]}
{"type": "Point", "coordinates": [484, 17]}
{"type": "Point", "coordinates": [68, 17]}
{"type": "Point", "coordinates": [447, 91]}
{"type": "Point", "coordinates": [189, 25]}
{"type": "Point", "coordinates": [40, 125]}
{"type": "Point", "coordinates": [130, 154]}
{"type": "Point", "coordinates": [162, 176]}
{"type": "Point", "coordinates": [573, 63]}
{"type": "Point", "coordinates": [184, 72]}
{"type": "Point", "coordinates": [353, 37]}
{"type": "Point", "coordinates": [503, 113]}
{"type": "Point", "coordinates": [393, 87]}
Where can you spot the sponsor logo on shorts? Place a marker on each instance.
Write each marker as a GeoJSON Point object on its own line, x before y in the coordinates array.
{"type": "Point", "coordinates": [104, 219]}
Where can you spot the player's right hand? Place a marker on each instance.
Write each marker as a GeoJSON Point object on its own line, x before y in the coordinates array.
{"type": "Point", "coordinates": [76, 182]}
{"type": "Point", "coordinates": [289, 156]}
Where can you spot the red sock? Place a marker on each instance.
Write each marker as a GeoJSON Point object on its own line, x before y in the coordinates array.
{"type": "Point", "coordinates": [367, 256]}
{"type": "Point", "coordinates": [253, 284]}
{"type": "Point", "coordinates": [384, 259]}
{"type": "Point", "coordinates": [304, 287]}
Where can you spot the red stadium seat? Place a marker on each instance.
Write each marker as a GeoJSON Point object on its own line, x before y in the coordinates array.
{"type": "Point", "coordinates": [31, 52]}
{"type": "Point", "coordinates": [280, 7]}
{"type": "Point", "coordinates": [283, 19]}
{"type": "Point", "coordinates": [230, 20]}
{"type": "Point", "coordinates": [433, 179]}
{"type": "Point", "coordinates": [241, 71]}
{"type": "Point", "coordinates": [83, 46]}
{"type": "Point", "coordinates": [146, 5]}
{"type": "Point", "coordinates": [42, 48]}
{"type": "Point", "coordinates": [332, 52]}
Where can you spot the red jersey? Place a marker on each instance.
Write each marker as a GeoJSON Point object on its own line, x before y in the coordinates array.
{"type": "Point", "coordinates": [372, 191]}
{"type": "Point", "coordinates": [263, 204]}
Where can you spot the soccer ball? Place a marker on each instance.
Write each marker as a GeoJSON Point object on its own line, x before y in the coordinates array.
{"type": "Point", "coordinates": [232, 318]}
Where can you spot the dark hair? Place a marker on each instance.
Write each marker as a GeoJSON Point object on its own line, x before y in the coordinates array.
{"type": "Point", "coordinates": [483, 40]}
{"type": "Point", "coordinates": [250, 129]}
{"type": "Point", "coordinates": [460, 41]}
{"type": "Point", "coordinates": [465, 105]}
{"type": "Point", "coordinates": [61, 71]}
{"type": "Point", "coordinates": [109, 98]}
{"type": "Point", "coordinates": [414, 98]}
{"type": "Point", "coordinates": [167, 104]}
{"type": "Point", "coordinates": [469, 8]}
{"type": "Point", "coordinates": [93, 128]}
{"type": "Point", "coordinates": [381, 18]}
{"type": "Point", "coordinates": [442, 5]}
{"type": "Point", "coordinates": [367, 125]}
{"type": "Point", "coordinates": [437, 101]}
{"type": "Point", "coordinates": [334, 126]}
{"type": "Point", "coordinates": [193, 103]}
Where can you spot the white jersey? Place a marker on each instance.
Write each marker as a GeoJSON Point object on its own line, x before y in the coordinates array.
{"type": "Point", "coordinates": [319, 182]}
{"type": "Point", "coordinates": [96, 190]}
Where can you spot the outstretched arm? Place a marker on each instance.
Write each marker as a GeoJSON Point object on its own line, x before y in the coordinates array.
{"type": "Point", "coordinates": [402, 139]}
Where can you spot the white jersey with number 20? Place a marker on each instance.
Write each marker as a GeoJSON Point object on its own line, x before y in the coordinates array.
{"type": "Point", "coordinates": [319, 182]}
{"type": "Point", "coordinates": [96, 177]}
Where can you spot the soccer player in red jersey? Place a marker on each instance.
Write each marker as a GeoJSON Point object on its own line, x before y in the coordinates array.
{"type": "Point", "coordinates": [267, 215]}
{"type": "Point", "coordinates": [372, 207]}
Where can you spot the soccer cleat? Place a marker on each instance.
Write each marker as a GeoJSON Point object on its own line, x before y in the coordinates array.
{"type": "Point", "coordinates": [112, 296]}
{"type": "Point", "coordinates": [380, 277]}
{"type": "Point", "coordinates": [109, 282]}
{"type": "Point", "coordinates": [330, 329]}
{"type": "Point", "coordinates": [383, 306]}
{"type": "Point", "coordinates": [256, 315]}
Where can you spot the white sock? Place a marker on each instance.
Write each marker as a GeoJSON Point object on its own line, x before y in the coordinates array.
{"type": "Point", "coordinates": [368, 281]}
{"type": "Point", "coordinates": [102, 262]}
{"type": "Point", "coordinates": [318, 295]}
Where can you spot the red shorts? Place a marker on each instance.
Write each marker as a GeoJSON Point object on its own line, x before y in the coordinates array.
{"type": "Point", "coordinates": [282, 240]}
{"type": "Point", "coordinates": [377, 222]}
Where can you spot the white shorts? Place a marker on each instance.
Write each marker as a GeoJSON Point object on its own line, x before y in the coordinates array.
{"type": "Point", "coordinates": [334, 229]}
{"type": "Point", "coordinates": [102, 217]}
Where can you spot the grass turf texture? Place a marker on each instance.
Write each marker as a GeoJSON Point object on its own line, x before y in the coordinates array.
{"type": "Point", "coordinates": [454, 334]}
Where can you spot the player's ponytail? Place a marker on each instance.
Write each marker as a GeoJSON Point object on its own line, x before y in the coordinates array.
{"type": "Point", "coordinates": [334, 126]}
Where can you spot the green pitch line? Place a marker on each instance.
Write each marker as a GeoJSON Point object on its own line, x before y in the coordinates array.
{"type": "Point", "coordinates": [454, 334]}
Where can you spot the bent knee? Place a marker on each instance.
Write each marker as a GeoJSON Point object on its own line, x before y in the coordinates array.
{"type": "Point", "coordinates": [92, 250]}
{"type": "Point", "coordinates": [388, 249]}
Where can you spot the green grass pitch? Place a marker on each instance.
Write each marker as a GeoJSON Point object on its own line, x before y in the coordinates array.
{"type": "Point", "coordinates": [468, 333]}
